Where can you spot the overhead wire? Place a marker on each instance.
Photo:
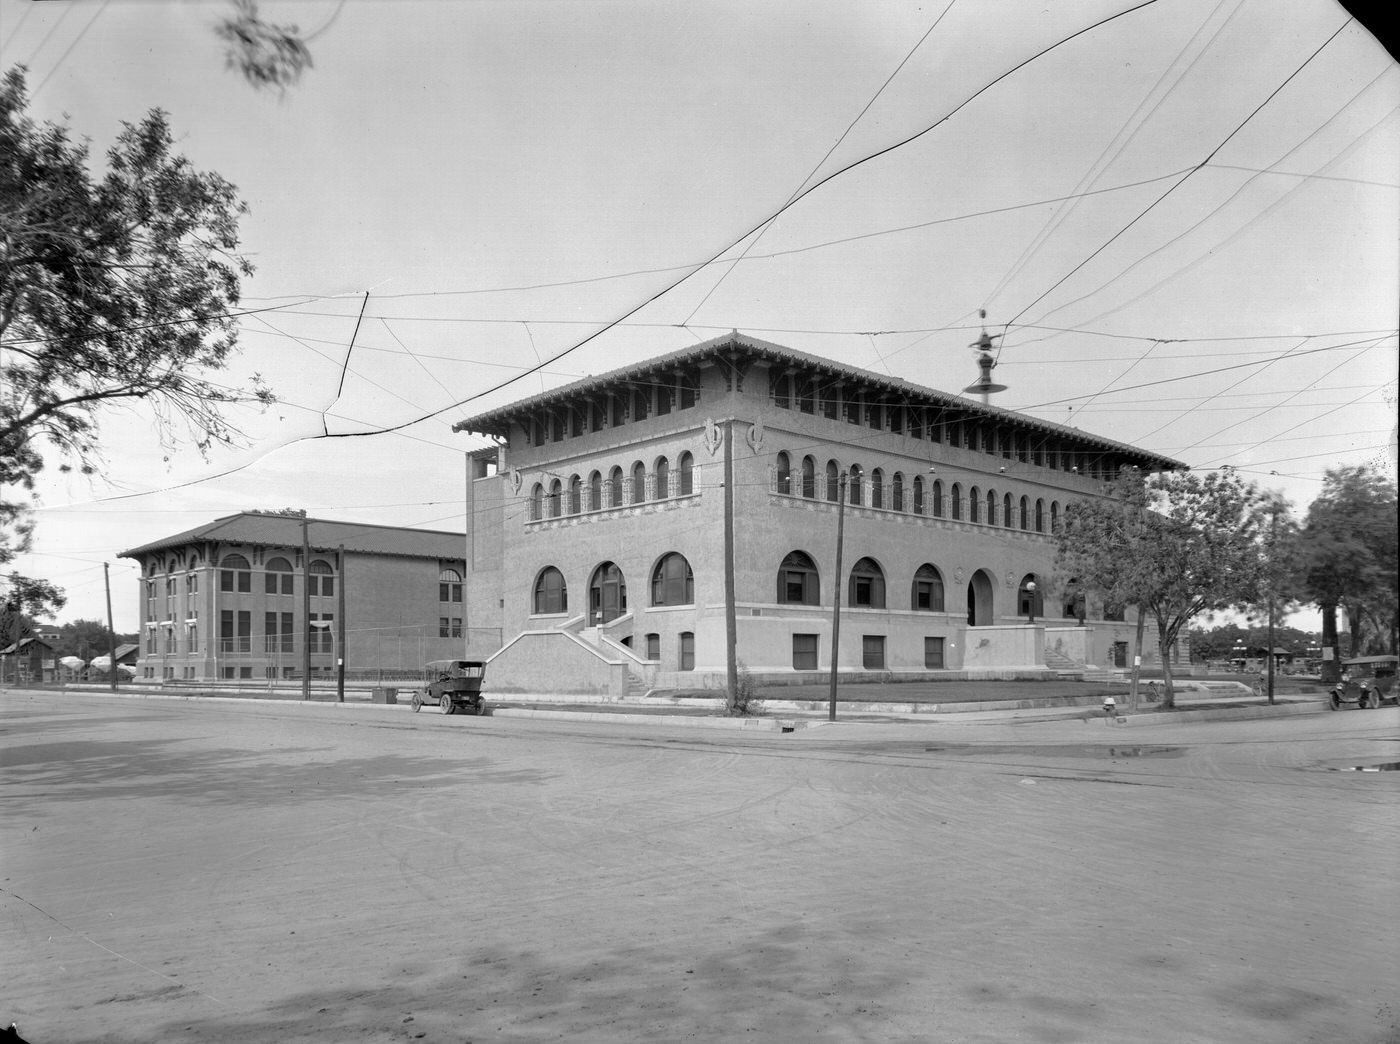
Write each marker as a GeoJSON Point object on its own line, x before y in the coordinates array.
{"type": "Point", "coordinates": [1150, 207]}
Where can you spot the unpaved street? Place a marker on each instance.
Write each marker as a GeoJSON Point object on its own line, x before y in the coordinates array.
{"type": "Point", "coordinates": [224, 872]}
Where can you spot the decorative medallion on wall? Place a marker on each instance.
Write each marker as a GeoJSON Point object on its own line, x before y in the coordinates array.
{"type": "Point", "coordinates": [958, 575]}
{"type": "Point", "coordinates": [515, 480]}
{"type": "Point", "coordinates": [1010, 578]}
{"type": "Point", "coordinates": [713, 436]}
{"type": "Point", "coordinates": [755, 436]}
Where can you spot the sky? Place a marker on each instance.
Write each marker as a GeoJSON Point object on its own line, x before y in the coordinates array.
{"type": "Point", "coordinates": [1181, 218]}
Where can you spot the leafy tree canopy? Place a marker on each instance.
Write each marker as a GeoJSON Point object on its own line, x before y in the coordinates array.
{"type": "Point", "coordinates": [111, 290]}
{"type": "Point", "coordinates": [1175, 545]}
{"type": "Point", "coordinates": [1347, 553]}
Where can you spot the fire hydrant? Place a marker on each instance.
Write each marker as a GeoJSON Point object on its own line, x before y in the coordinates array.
{"type": "Point", "coordinates": [1110, 707]}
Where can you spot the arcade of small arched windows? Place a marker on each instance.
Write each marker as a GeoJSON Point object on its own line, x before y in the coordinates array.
{"type": "Point", "coordinates": [894, 491]}
{"type": "Point", "coordinates": [885, 410]}
{"type": "Point", "coordinates": [604, 490]}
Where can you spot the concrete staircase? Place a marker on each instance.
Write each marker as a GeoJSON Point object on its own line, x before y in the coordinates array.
{"type": "Point", "coordinates": [1061, 664]}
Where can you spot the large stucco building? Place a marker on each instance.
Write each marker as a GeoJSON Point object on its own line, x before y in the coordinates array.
{"type": "Point", "coordinates": [253, 596]}
{"type": "Point", "coordinates": [596, 523]}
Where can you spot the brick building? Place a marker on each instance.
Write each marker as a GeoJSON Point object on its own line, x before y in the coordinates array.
{"type": "Point", "coordinates": [596, 527]}
{"type": "Point", "coordinates": [237, 599]}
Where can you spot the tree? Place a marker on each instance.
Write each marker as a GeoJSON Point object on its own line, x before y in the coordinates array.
{"type": "Point", "coordinates": [87, 638]}
{"type": "Point", "coordinates": [267, 55]}
{"type": "Point", "coordinates": [1174, 545]}
{"type": "Point", "coordinates": [25, 599]}
{"type": "Point", "coordinates": [1346, 555]}
{"type": "Point", "coordinates": [111, 292]}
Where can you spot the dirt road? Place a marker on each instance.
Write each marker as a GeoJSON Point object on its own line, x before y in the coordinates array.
{"type": "Point", "coordinates": [227, 872]}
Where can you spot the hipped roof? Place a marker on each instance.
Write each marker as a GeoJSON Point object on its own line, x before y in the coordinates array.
{"type": "Point", "coordinates": [497, 422]}
{"type": "Point", "coordinates": [267, 530]}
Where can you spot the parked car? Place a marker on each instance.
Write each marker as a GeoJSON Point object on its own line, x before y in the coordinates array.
{"type": "Point", "coordinates": [454, 685]}
{"type": "Point", "coordinates": [1367, 681]}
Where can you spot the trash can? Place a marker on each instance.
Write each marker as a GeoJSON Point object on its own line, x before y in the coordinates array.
{"type": "Point", "coordinates": [383, 695]}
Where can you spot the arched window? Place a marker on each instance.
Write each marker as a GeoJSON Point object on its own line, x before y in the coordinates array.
{"type": "Point", "coordinates": [927, 593]}
{"type": "Point", "coordinates": [234, 574]}
{"type": "Point", "coordinates": [897, 492]}
{"type": "Point", "coordinates": [798, 581]}
{"type": "Point", "coordinates": [918, 494]}
{"type": "Point", "coordinates": [595, 491]}
{"type": "Point", "coordinates": [615, 492]}
{"type": "Point", "coordinates": [1030, 597]}
{"type": "Point", "coordinates": [278, 578]}
{"type": "Point", "coordinates": [537, 503]}
{"type": "Point", "coordinates": [937, 498]}
{"type": "Point", "coordinates": [956, 498]}
{"type": "Point", "coordinates": [867, 590]}
{"type": "Point", "coordinates": [832, 479]}
{"type": "Point", "coordinates": [575, 495]}
{"type": "Point", "coordinates": [1054, 516]}
{"type": "Point", "coordinates": [877, 488]}
{"type": "Point", "coordinates": [322, 579]}
{"type": "Point", "coordinates": [1007, 512]}
{"type": "Point", "coordinates": [784, 473]}
{"type": "Point", "coordinates": [449, 586]}
{"type": "Point", "coordinates": [991, 507]}
{"type": "Point", "coordinates": [974, 505]}
{"type": "Point", "coordinates": [556, 491]}
{"type": "Point", "coordinates": [853, 493]}
{"type": "Point", "coordinates": [1025, 513]}
{"type": "Point", "coordinates": [687, 469]}
{"type": "Point", "coordinates": [663, 478]}
{"type": "Point", "coordinates": [551, 593]}
{"type": "Point", "coordinates": [809, 477]}
{"type": "Point", "coordinates": [672, 582]}
{"type": "Point", "coordinates": [639, 482]}
{"type": "Point", "coordinates": [1040, 516]}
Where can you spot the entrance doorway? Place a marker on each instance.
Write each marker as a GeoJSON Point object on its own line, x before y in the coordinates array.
{"type": "Point", "coordinates": [979, 599]}
{"type": "Point", "coordinates": [607, 595]}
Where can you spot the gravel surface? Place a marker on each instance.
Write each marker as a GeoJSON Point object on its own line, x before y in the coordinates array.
{"type": "Point", "coordinates": [230, 872]}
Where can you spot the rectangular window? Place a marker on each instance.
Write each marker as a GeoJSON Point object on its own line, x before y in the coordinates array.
{"type": "Point", "coordinates": [449, 592]}
{"type": "Point", "coordinates": [933, 653]}
{"type": "Point", "coordinates": [456, 627]}
{"type": "Point", "coordinates": [245, 630]}
{"type": "Point", "coordinates": [288, 630]}
{"type": "Point", "coordinates": [804, 652]}
{"type": "Point", "coordinates": [245, 672]}
{"type": "Point", "coordinates": [225, 581]}
{"type": "Point", "coordinates": [442, 627]}
{"type": "Point", "coordinates": [321, 585]}
{"type": "Point", "coordinates": [687, 657]}
{"type": "Point", "coordinates": [872, 652]}
{"type": "Point", "coordinates": [270, 631]}
{"type": "Point", "coordinates": [653, 647]}
{"type": "Point", "coordinates": [322, 639]}
{"type": "Point", "coordinates": [229, 672]}
{"type": "Point", "coordinates": [225, 632]}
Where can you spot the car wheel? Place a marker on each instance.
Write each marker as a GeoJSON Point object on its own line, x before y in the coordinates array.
{"type": "Point", "coordinates": [417, 701]}
{"type": "Point", "coordinates": [1333, 701]}
{"type": "Point", "coordinates": [448, 707]}
{"type": "Point", "coordinates": [480, 708]}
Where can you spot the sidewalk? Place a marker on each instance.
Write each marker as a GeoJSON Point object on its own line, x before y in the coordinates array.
{"type": "Point", "coordinates": [1200, 701]}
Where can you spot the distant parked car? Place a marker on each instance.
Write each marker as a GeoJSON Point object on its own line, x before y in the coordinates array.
{"type": "Point", "coordinates": [1367, 681]}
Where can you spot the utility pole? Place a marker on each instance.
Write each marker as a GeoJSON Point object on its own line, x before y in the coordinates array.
{"type": "Point", "coordinates": [836, 592]}
{"type": "Point", "coordinates": [731, 630]}
{"type": "Point", "coordinates": [111, 633]}
{"type": "Point", "coordinates": [340, 634]}
{"type": "Point", "coordinates": [305, 610]}
{"type": "Point", "coordinates": [1273, 536]}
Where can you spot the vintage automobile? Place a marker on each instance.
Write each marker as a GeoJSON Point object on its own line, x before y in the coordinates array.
{"type": "Point", "coordinates": [1367, 681]}
{"type": "Point", "coordinates": [454, 685]}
